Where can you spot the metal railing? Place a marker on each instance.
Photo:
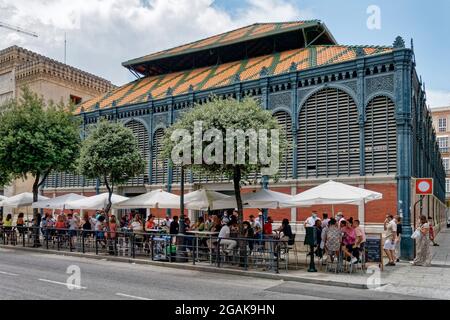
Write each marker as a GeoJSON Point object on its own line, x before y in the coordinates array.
{"type": "Point", "coordinates": [266, 254]}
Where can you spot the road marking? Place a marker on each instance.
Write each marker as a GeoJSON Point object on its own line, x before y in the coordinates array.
{"type": "Point", "coordinates": [8, 273]}
{"type": "Point", "coordinates": [133, 297]}
{"type": "Point", "coordinates": [63, 283]}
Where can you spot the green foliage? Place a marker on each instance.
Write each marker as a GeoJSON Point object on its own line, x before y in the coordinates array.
{"type": "Point", "coordinates": [224, 114]}
{"type": "Point", "coordinates": [111, 153]}
{"type": "Point", "coordinates": [36, 138]}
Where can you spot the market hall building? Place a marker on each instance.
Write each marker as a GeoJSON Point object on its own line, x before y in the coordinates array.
{"type": "Point", "coordinates": [354, 114]}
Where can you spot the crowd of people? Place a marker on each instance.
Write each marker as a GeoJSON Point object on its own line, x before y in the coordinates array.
{"type": "Point", "coordinates": [334, 235]}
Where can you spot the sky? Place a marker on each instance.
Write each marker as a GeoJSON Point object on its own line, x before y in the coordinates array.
{"type": "Point", "coordinates": [101, 34]}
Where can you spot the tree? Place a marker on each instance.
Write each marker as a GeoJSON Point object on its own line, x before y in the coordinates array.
{"type": "Point", "coordinates": [218, 119]}
{"type": "Point", "coordinates": [111, 154]}
{"type": "Point", "coordinates": [35, 139]}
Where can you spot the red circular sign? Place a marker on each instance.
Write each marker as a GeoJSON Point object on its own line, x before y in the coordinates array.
{"type": "Point", "coordinates": [424, 186]}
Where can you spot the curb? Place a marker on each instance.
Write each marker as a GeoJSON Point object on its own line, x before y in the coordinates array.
{"type": "Point", "coordinates": [184, 266]}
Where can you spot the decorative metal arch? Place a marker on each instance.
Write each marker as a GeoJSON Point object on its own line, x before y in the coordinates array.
{"type": "Point", "coordinates": [376, 95]}
{"type": "Point", "coordinates": [284, 109]}
{"type": "Point", "coordinates": [343, 88]}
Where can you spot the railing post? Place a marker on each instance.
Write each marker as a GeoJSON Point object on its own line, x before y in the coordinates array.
{"type": "Point", "coordinates": [170, 249]}
{"type": "Point", "coordinates": [152, 252]}
{"type": "Point", "coordinates": [96, 243]}
{"type": "Point", "coordinates": [133, 244]}
{"type": "Point", "coordinates": [277, 265]}
{"type": "Point", "coordinates": [46, 236]}
{"type": "Point", "coordinates": [23, 237]}
{"type": "Point", "coordinates": [82, 241]}
{"type": "Point", "coordinates": [218, 253]}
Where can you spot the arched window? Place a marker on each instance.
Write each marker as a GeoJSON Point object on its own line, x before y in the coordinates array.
{"type": "Point", "coordinates": [159, 166]}
{"type": "Point", "coordinates": [284, 120]}
{"type": "Point", "coordinates": [141, 134]}
{"type": "Point", "coordinates": [328, 136]}
{"type": "Point", "coordinates": [380, 135]}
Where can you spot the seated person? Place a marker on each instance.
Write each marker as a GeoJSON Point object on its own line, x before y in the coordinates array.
{"type": "Point", "coordinates": [224, 237]}
{"type": "Point", "coordinates": [332, 239]}
{"type": "Point", "coordinates": [348, 241]}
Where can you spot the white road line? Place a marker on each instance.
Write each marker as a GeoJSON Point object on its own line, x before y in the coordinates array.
{"type": "Point", "coordinates": [8, 273]}
{"type": "Point", "coordinates": [62, 283]}
{"type": "Point", "coordinates": [133, 297]}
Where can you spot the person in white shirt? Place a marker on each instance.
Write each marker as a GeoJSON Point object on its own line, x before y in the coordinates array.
{"type": "Point", "coordinates": [253, 223]}
{"type": "Point", "coordinates": [311, 221]}
{"type": "Point", "coordinates": [224, 236]}
{"type": "Point", "coordinates": [325, 220]}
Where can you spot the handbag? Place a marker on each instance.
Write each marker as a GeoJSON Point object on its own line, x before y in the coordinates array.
{"type": "Point", "coordinates": [416, 234]}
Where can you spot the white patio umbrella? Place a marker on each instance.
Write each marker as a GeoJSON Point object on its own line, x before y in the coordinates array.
{"type": "Point", "coordinates": [2, 198]}
{"type": "Point", "coordinates": [97, 202]}
{"type": "Point", "coordinates": [21, 200]}
{"type": "Point", "coordinates": [154, 199]}
{"type": "Point", "coordinates": [269, 199]}
{"type": "Point", "coordinates": [263, 198]}
{"type": "Point", "coordinates": [57, 202]}
{"type": "Point", "coordinates": [331, 193]}
{"type": "Point", "coordinates": [203, 199]}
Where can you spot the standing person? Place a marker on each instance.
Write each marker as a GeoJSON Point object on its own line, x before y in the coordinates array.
{"type": "Point", "coordinates": [74, 225]}
{"type": "Point", "coordinates": [423, 257]}
{"type": "Point", "coordinates": [100, 230]}
{"type": "Point", "coordinates": [332, 239]}
{"type": "Point", "coordinates": [174, 226]}
{"type": "Point", "coordinates": [340, 217]}
{"type": "Point", "coordinates": [268, 227]}
{"type": "Point", "coordinates": [325, 220]}
{"type": "Point", "coordinates": [248, 234]}
{"type": "Point", "coordinates": [398, 221]}
{"type": "Point", "coordinates": [318, 226]}
{"type": "Point", "coordinates": [432, 235]}
{"type": "Point", "coordinates": [20, 223]}
{"type": "Point", "coordinates": [112, 235]}
{"type": "Point", "coordinates": [311, 221]}
{"type": "Point", "coordinates": [389, 239]}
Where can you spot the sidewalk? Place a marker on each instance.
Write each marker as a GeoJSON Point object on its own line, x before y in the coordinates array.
{"type": "Point", "coordinates": [427, 282]}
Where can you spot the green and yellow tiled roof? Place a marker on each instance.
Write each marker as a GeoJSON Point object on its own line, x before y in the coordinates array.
{"type": "Point", "coordinates": [254, 31]}
{"type": "Point", "coordinates": [224, 74]}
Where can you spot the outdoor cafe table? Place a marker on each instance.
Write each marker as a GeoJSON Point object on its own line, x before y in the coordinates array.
{"type": "Point", "coordinates": [204, 233]}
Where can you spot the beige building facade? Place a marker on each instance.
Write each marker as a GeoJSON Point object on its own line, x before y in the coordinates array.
{"type": "Point", "coordinates": [51, 79]}
{"type": "Point", "coordinates": [441, 123]}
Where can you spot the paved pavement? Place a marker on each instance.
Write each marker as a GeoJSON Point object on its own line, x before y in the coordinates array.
{"type": "Point", "coordinates": [43, 276]}
{"type": "Point", "coordinates": [25, 275]}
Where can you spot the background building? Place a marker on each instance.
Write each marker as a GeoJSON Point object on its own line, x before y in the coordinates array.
{"type": "Point", "coordinates": [441, 118]}
{"type": "Point", "coordinates": [355, 114]}
{"type": "Point", "coordinates": [51, 79]}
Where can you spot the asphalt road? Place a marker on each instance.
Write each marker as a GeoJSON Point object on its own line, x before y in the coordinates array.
{"type": "Point", "coordinates": [25, 275]}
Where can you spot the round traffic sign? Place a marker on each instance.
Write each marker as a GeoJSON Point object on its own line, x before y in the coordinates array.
{"type": "Point", "coordinates": [424, 186]}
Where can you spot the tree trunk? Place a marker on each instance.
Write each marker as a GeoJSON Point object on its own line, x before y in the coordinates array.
{"type": "Point", "coordinates": [36, 213]}
{"type": "Point", "coordinates": [109, 205]}
{"type": "Point", "coordinates": [237, 192]}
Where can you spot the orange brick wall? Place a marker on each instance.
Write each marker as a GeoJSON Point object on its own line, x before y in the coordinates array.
{"type": "Point", "coordinates": [376, 210]}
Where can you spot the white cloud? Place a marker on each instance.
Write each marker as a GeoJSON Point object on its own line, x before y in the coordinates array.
{"type": "Point", "coordinates": [102, 34]}
{"type": "Point", "coordinates": [437, 98]}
